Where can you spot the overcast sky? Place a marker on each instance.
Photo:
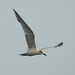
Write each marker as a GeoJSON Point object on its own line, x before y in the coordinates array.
{"type": "Point", "coordinates": [52, 21]}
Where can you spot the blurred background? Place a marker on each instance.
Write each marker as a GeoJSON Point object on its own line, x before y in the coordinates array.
{"type": "Point", "coordinates": [52, 21]}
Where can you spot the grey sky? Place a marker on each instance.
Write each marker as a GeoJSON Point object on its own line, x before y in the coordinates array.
{"type": "Point", "coordinates": [52, 21]}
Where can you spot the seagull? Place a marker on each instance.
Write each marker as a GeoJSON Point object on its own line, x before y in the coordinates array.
{"type": "Point", "coordinates": [30, 39]}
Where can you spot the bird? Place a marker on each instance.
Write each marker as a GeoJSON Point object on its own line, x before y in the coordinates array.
{"type": "Point", "coordinates": [30, 39]}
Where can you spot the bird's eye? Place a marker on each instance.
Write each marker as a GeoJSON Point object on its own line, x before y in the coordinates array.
{"type": "Point", "coordinates": [41, 51]}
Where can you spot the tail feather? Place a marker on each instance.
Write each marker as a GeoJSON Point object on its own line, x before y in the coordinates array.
{"type": "Point", "coordinates": [23, 54]}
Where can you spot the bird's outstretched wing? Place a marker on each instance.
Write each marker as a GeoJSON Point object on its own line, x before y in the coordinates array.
{"type": "Point", "coordinates": [30, 38]}
{"type": "Point", "coordinates": [58, 45]}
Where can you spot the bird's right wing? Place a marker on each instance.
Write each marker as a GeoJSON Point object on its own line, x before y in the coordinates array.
{"type": "Point", "coordinates": [58, 45]}
{"type": "Point", "coordinates": [30, 38]}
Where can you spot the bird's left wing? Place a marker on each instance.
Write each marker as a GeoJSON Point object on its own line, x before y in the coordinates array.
{"type": "Point", "coordinates": [30, 38]}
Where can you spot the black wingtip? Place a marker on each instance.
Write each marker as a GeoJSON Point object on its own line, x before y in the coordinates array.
{"type": "Point", "coordinates": [13, 8]}
{"type": "Point", "coordinates": [14, 11]}
{"type": "Point", "coordinates": [60, 44]}
{"type": "Point", "coordinates": [17, 16]}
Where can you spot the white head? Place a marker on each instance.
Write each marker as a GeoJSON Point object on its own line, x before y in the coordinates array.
{"type": "Point", "coordinates": [42, 52]}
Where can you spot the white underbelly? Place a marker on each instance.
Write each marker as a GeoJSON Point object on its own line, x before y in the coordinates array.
{"type": "Point", "coordinates": [33, 52]}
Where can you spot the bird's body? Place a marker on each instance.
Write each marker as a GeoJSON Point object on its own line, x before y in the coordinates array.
{"type": "Point", "coordinates": [30, 39]}
{"type": "Point", "coordinates": [31, 52]}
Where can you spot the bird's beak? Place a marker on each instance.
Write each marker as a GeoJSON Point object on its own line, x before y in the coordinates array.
{"type": "Point", "coordinates": [44, 54]}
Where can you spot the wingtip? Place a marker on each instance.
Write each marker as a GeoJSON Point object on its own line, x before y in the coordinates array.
{"type": "Point", "coordinates": [60, 44]}
{"type": "Point", "coordinates": [14, 10]}
{"type": "Point", "coordinates": [16, 14]}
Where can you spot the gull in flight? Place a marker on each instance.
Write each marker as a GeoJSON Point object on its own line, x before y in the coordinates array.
{"type": "Point", "coordinates": [30, 39]}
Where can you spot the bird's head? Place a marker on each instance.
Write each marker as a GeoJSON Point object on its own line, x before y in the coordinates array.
{"type": "Point", "coordinates": [42, 52]}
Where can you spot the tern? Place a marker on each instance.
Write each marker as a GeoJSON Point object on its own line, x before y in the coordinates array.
{"type": "Point", "coordinates": [30, 39]}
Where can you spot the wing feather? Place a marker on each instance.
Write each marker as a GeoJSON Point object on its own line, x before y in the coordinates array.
{"type": "Point", "coordinates": [30, 38]}
{"type": "Point", "coordinates": [58, 45]}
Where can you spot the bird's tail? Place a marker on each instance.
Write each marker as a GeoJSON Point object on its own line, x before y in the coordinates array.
{"type": "Point", "coordinates": [24, 54]}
